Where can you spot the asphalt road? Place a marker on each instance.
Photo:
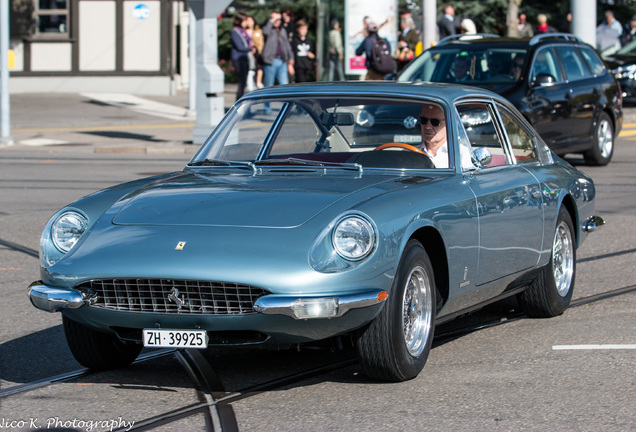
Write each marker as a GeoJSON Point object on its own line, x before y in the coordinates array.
{"type": "Point", "coordinates": [513, 373]}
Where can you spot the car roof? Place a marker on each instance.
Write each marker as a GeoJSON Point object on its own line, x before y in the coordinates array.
{"type": "Point", "coordinates": [385, 88]}
{"type": "Point", "coordinates": [490, 39]}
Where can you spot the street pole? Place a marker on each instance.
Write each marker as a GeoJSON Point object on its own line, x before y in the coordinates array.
{"type": "Point", "coordinates": [429, 18]}
{"type": "Point", "coordinates": [5, 135]}
{"type": "Point", "coordinates": [584, 20]}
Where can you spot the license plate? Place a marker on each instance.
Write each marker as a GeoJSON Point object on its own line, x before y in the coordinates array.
{"type": "Point", "coordinates": [172, 338]}
{"type": "Point", "coordinates": [407, 138]}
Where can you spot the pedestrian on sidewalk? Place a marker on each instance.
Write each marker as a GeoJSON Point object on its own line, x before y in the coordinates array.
{"type": "Point", "coordinates": [241, 47]}
{"type": "Point", "coordinates": [278, 56]}
{"type": "Point", "coordinates": [304, 52]}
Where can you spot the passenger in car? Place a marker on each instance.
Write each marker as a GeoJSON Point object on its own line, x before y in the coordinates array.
{"type": "Point", "coordinates": [516, 66]}
{"type": "Point", "coordinates": [460, 69]}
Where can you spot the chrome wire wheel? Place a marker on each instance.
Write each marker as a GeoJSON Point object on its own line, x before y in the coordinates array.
{"type": "Point", "coordinates": [605, 138]}
{"type": "Point", "coordinates": [563, 259]}
{"type": "Point", "coordinates": [417, 311]}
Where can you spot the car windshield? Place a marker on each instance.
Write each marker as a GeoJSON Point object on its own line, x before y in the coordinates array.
{"type": "Point", "coordinates": [467, 64]}
{"type": "Point", "coordinates": [323, 131]}
{"type": "Point", "coordinates": [628, 49]}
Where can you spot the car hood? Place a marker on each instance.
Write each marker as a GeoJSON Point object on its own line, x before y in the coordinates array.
{"type": "Point", "coordinates": [276, 201]}
{"type": "Point", "coordinates": [619, 60]}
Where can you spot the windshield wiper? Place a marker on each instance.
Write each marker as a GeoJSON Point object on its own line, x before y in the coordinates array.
{"type": "Point", "coordinates": [308, 163]}
{"type": "Point", "coordinates": [216, 162]}
{"type": "Point", "coordinates": [290, 161]}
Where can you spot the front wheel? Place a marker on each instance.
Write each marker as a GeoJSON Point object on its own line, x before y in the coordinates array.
{"type": "Point", "coordinates": [97, 350]}
{"type": "Point", "coordinates": [551, 292]}
{"type": "Point", "coordinates": [395, 346]}
{"type": "Point", "coordinates": [603, 150]}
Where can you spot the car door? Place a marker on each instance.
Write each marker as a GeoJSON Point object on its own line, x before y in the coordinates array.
{"type": "Point", "coordinates": [509, 200]}
{"type": "Point", "coordinates": [584, 95]}
{"type": "Point", "coordinates": [549, 100]}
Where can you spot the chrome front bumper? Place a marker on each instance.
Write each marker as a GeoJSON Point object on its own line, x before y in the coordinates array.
{"type": "Point", "coordinates": [318, 307]}
{"type": "Point", "coordinates": [52, 299]}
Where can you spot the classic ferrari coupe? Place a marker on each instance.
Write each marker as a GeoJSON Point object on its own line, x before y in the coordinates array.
{"type": "Point", "coordinates": [303, 217]}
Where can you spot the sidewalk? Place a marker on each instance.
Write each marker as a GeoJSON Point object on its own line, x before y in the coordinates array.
{"type": "Point", "coordinates": [104, 122]}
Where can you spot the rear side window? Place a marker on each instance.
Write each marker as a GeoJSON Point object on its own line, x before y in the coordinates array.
{"type": "Point", "coordinates": [573, 64]}
{"type": "Point", "coordinates": [545, 62]}
{"type": "Point", "coordinates": [593, 60]}
{"type": "Point", "coordinates": [523, 144]}
{"type": "Point", "coordinates": [479, 125]}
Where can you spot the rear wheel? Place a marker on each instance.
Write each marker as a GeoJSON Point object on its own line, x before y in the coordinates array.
{"type": "Point", "coordinates": [395, 346]}
{"type": "Point", "coordinates": [550, 294]}
{"type": "Point", "coordinates": [603, 149]}
{"type": "Point", "coordinates": [97, 350]}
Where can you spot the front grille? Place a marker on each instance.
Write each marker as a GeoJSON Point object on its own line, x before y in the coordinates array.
{"type": "Point", "coordinates": [172, 296]}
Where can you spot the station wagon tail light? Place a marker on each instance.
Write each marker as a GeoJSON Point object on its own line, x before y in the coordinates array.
{"type": "Point", "coordinates": [315, 308]}
{"type": "Point", "coordinates": [353, 238]}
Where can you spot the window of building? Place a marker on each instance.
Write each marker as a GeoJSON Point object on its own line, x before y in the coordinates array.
{"type": "Point", "coordinates": [52, 17]}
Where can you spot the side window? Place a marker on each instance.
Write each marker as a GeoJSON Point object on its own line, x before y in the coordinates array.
{"type": "Point", "coordinates": [593, 61]}
{"type": "Point", "coordinates": [572, 63]}
{"type": "Point", "coordinates": [545, 62]}
{"type": "Point", "coordinates": [524, 146]}
{"type": "Point", "coordinates": [477, 120]}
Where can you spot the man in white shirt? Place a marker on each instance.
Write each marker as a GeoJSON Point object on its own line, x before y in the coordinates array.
{"type": "Point", "coordinates": [433, 125]}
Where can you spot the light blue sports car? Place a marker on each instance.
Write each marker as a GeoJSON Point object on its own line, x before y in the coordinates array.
{"type": "Point", "coordinates": [302, 218]}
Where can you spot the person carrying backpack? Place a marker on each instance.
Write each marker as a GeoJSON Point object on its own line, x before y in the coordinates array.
{"type": "Point", "coordinates": [379, 61]}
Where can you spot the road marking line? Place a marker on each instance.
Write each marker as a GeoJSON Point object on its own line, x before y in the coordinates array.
{"type": "Point", "coordinates": [627, 133]}
{"type": "Point", "coordinates": [36, 142]}
{"type": "Point", "coordinates": [593, 347]}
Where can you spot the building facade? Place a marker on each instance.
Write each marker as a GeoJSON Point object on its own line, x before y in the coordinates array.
{"type": "Point", "coordinates": [132, 46]}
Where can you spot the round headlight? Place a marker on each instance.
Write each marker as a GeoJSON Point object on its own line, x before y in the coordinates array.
{"type": "Point", "coordinates": [353, 238]}
{"type": "Point", "coordinates": [67, 230]}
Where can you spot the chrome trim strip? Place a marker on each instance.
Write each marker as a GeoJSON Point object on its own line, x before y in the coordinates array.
{"type": "Point", "coordinates": [592, 223]}
{"type": "Point", "coordinates": [282, 305]}
{"type": "Point", "coordinates": [52, 299]}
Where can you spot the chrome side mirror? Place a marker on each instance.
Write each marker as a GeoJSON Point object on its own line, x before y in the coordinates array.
{"type": "Point", "coordinates": [481, 157]}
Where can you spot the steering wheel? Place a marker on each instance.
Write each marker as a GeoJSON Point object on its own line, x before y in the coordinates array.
{"type": "Point", "coordinates": [399, 145]}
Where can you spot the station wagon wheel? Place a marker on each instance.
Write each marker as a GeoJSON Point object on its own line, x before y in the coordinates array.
{"type": "Point", "coordinates": [551, 292]}
{"type": "Point", "coordinates": [97, 350]}
{"type": "Point", "coordinates": [395, 346]}
{"type": "Point", "coordinates": [603, 150]}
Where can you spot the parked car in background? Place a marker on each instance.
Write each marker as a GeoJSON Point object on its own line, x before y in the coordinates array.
{"type": "Point", "coordinates": [286, 228]}
{"type": "Point", "coordinates": [558, 83]}
{"type": "Point", "coordinates": [622, 63]}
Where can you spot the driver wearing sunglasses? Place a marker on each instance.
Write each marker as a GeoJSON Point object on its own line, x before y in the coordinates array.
{"type": "Point", "coordinates": [433, 125]}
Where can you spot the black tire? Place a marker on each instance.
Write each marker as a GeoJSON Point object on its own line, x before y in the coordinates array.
{"type": "Point", "coordinates": [603, 150]}
{"type": "Point", "coordinates": [551, 292]}
{"type": "Point", "coordinates": [97, 350]}
{"type": "Point", "coordinates": [395, 346]}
